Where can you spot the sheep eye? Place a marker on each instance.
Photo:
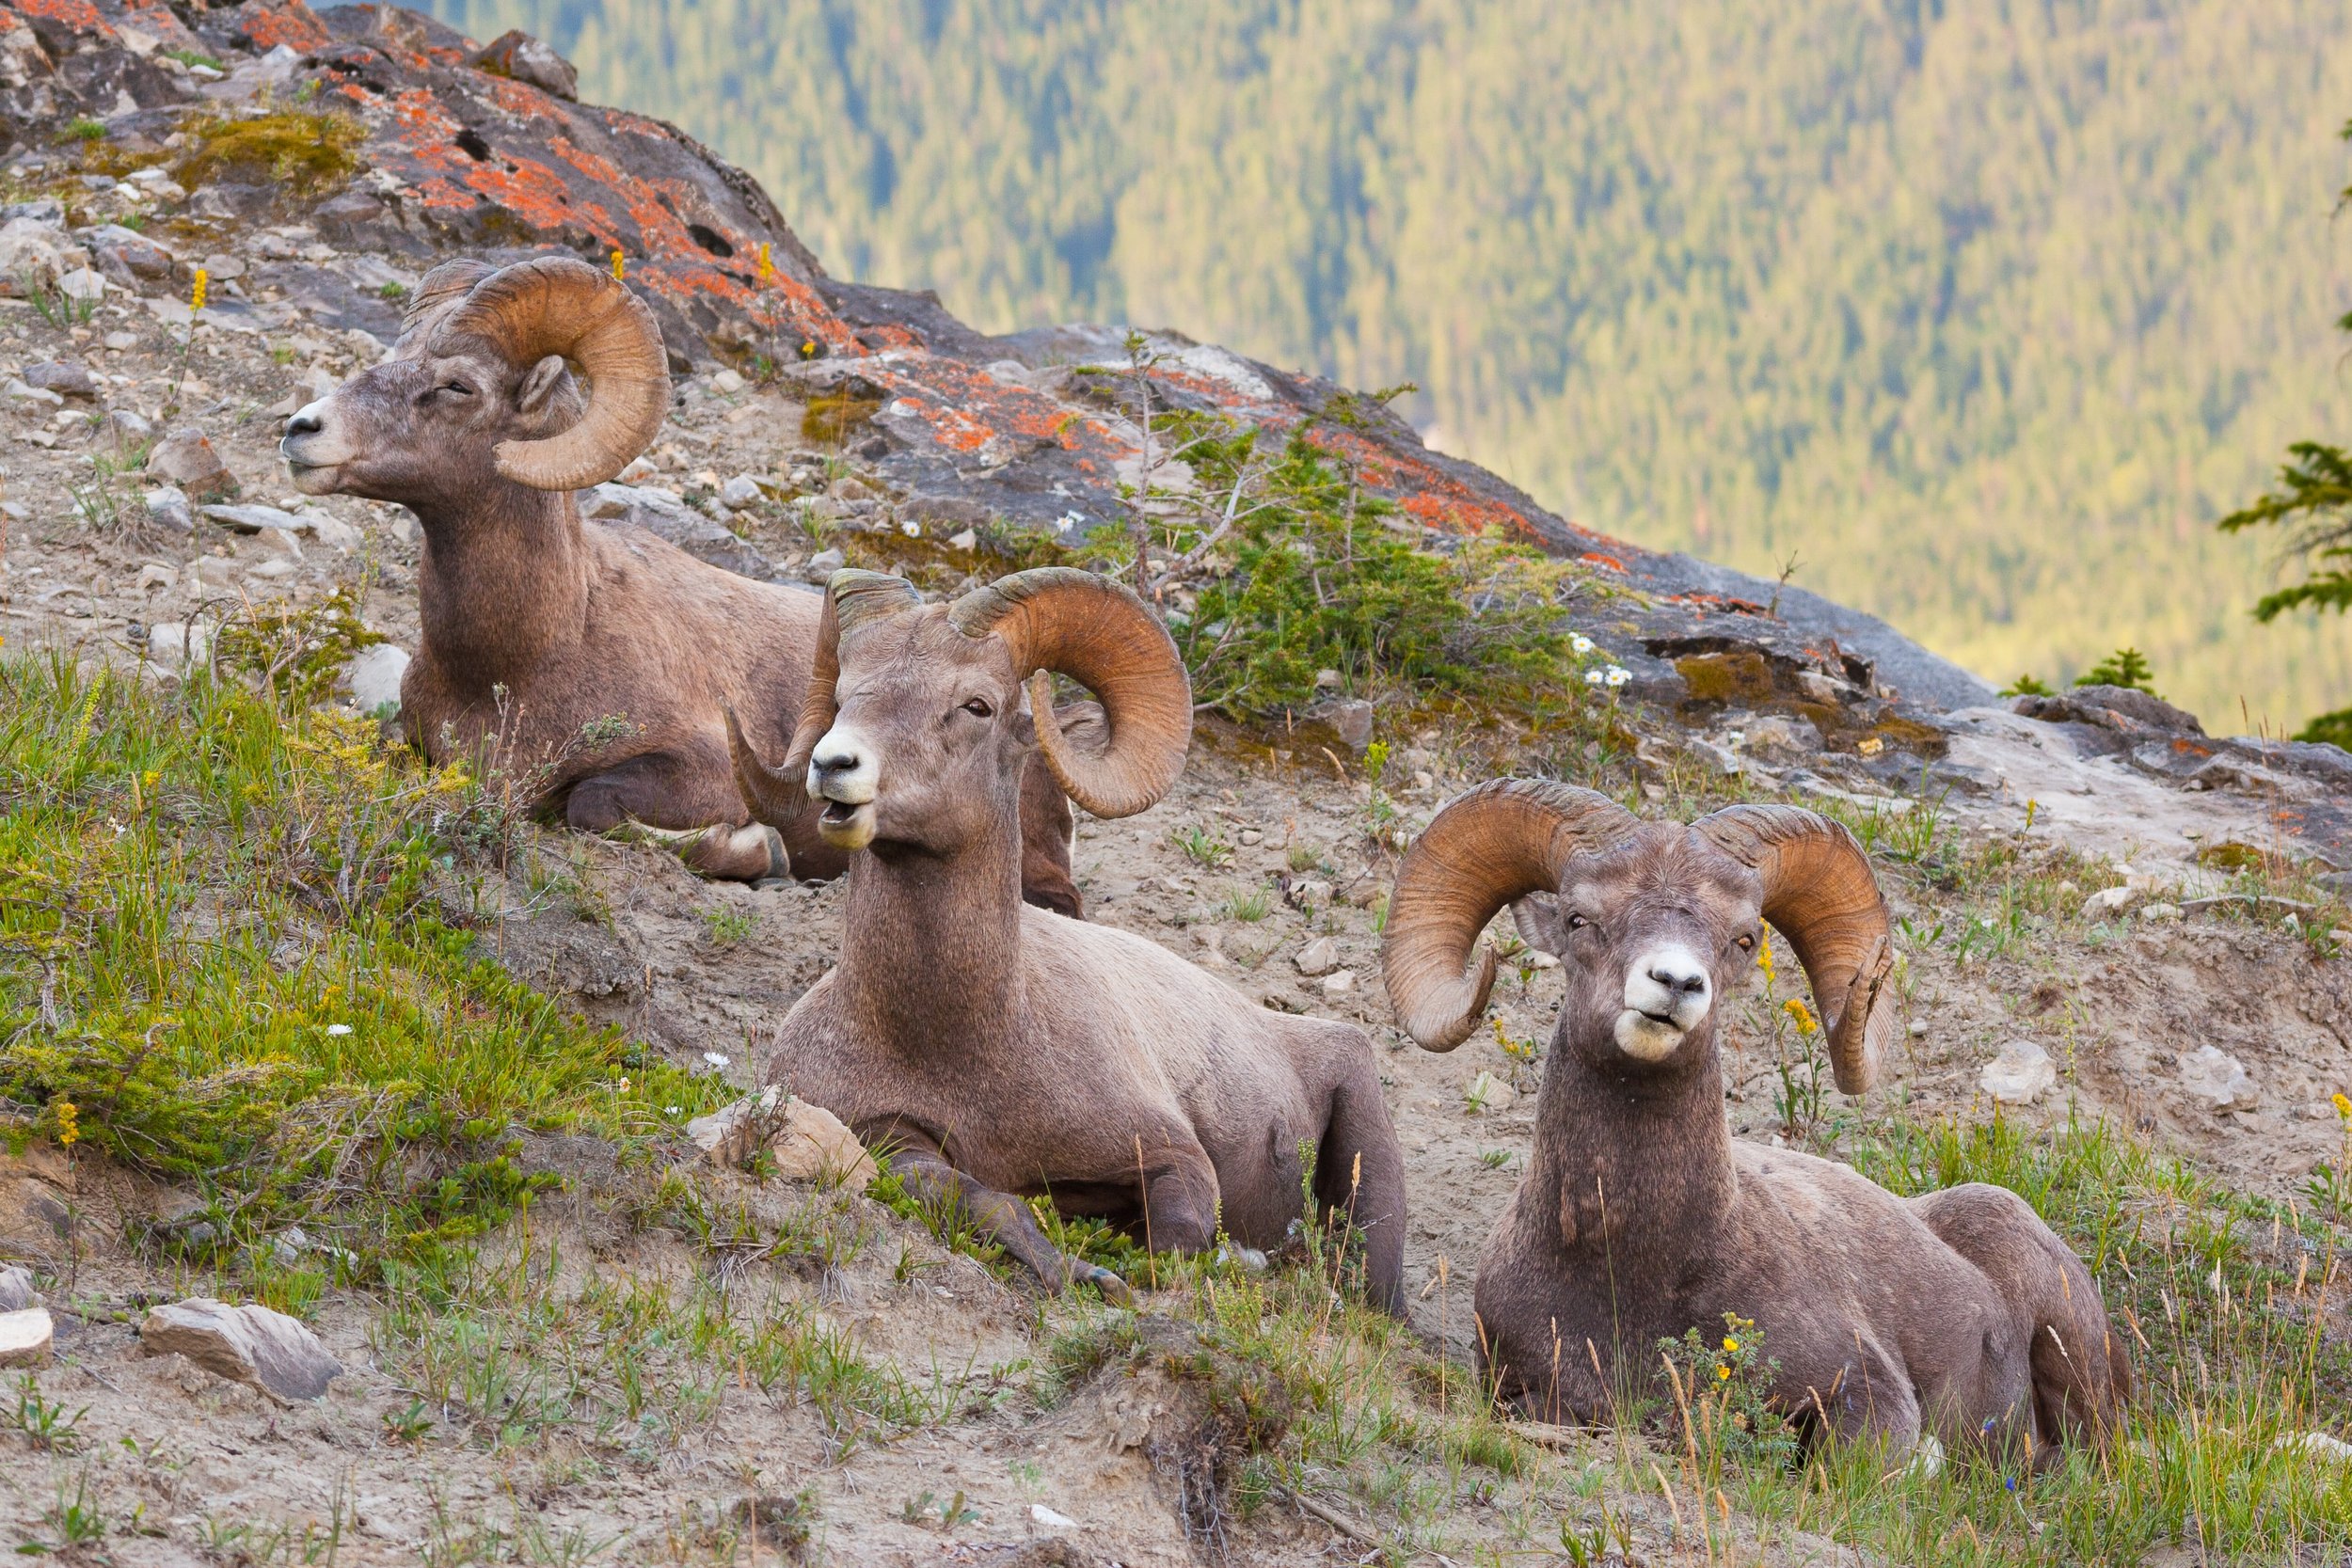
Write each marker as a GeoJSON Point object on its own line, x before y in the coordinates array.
{"type": "Point", "coordinates": [1577, 922]}
{"type": "Point", "coordinates": [977, 707]}
{"type": "Point", "coordinates": [1747, 943]}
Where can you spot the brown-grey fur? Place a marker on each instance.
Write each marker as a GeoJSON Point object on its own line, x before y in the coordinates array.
{"type": "Point", "coordinates": [994, 1052]}
{"type": "Point", "coordinates": [538, 625]}
{"type": "Point", "coordinates": [1957, 1314]}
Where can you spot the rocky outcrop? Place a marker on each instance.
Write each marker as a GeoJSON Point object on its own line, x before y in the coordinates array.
{"type": "Point", "coordinates": [486, 151]}
{"type": "Point", "coordinates": [422, 143]}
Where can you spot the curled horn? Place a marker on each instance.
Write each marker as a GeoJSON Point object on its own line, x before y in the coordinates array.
{"type": "Point", "coordinates": [1820, 894]}
{"type": "Point", "coordinates": [776, 795]}
{"type": "Point", "coordinates": [1099, 634]}
{"type": "Point", "coordinates": [440, 289]}
{"type": "Point", "coordinates": [560, 304]}
{"type": "Point", "coordinates": [1489, 847]}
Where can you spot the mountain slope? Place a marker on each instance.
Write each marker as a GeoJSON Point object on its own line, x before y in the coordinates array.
{"type": "Point", "coordinates": [1982, 313]}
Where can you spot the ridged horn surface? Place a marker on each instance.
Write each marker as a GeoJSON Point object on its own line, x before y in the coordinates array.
{"type": "Point", "coordinates": [1490, 846]}
{"type": "Point", "coordinates": [852, 597]}
{"type": "Point", "coordinates": [1819, 893]}
{"type": "Point", "coordinates": [1099, 634]}
{"type": "Point", "coordinates": [560, 305]}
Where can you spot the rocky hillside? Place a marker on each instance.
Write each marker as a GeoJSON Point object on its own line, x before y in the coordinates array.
{"type": "Point", "coordinates": [425, 1095]}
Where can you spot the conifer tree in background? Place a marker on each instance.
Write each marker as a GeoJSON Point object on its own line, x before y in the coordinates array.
{"type": "Point", "coordinates": [2314, 503]}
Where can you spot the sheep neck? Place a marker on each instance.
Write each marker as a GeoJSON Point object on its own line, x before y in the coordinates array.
{"type": "Point", "coordinates": [504, 581]}
{"type": "Point", "coordinates": [1641, 1164]}
{"type": "Point", "coordinates": [930, 963]}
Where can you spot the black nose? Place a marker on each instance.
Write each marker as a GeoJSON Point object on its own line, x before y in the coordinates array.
{"type": "Point", "coordinates": [304, 423]}
{"type": "Point", "coordinates": [837, 762]}
{"type": "Point", "coordinates": [1691, 984]}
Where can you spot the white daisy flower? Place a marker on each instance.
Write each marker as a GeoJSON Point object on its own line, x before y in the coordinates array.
{"type": "Point", "coordinates": [1619, 675]}
{"type": "Point", "coordinates": [339, 1028]}
{"type": "Point", "coordinates": [1594, 677]}
{"type": "Point", "coordinates": [716, 1058]}
{"type": "Point", "coordinates": [1580, 642]}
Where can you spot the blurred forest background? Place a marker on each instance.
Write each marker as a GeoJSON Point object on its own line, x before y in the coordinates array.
{"type": "Point", "coordinates": [1984, 312]}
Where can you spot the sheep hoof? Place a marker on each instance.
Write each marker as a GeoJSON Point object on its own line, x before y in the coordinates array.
{"type": "Point", "coordinates": [1113, 1288]}
{"type": "Point", "coordinates": [1926, 1456]}
{"type": "Point", "coordinates": [1249, 1258]}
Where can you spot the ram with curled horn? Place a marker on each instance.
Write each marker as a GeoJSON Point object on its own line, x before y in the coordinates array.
{"type": "Point", "coordinates": [994, 1052]}
{"type": "Point", "coordinates": [596, 660]}
{"type": "Point", "coordinates": [1952, 1320]}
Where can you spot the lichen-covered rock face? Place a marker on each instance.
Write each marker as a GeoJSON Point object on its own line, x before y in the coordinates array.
{"type": "Point", "coordinates": [483, 151]}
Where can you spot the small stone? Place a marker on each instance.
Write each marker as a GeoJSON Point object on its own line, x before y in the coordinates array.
{"type": "Point", "coordinates": [175, 644]}
{"type": "Point", "coordinates": [808, 1142]}
{"type": "Point", "coordinates": [2160, 911]}
{"type": "Point", "coordinates": [1486, 1092]}
{"type": "Point", "coordinates": [2319, 1444]}
{"type": "Point", "coordinates": [738, 492]}
{"type": "Point", "coordinates": [330, 531]}
{"type": "Point", "coordinates": [2019, 1073]}
{"type": "Point", "coordinates": [727, 383]}
{"type": "Point", "coordinates": [65, 378]}
{"type": "Point", "coordinates": [1251, 838]}
{"type": "Point", "coordinates": [154, 576]}
{"type": "Point", "coordinates": [1339, 983]}
{"type": "Point", "coordinates": [24, 1337]}
{"type": "Point", "coordinates": [822, 565]}
{"type": "Point", "coordinates": [1046, 1518]}
{"type": "Point", "coordinates": [16, 1289]}
{"type": "Point", "coordinates": [1352, 720]}
{"type": "Point", "coordinates": [253, 1345]}
{"type": "Point", "coordinates": [121, 342]}
{"type": "Point", "coordinates": [186, 459]}
{"type": "Point", "coordinates": [967, 540]}
{"type": "Point", "coordinates": [849, 487]}
{"type": "Point", "coordinates": [2113, 900]}
{"type": "Point", "coordinates": [375, 675]}
{"type": "Point", "coordinates": [1308, 893]}
{"type": "Point", "coordinates": [252, 520]}
{"type": "Point", "coordinates": [270, 571]}
{"type": "Point", "coordinates": [167, 507]}
{"type": "Point", "coordinates": [1327, 680]}
{"type": "Point", "coordinates": [25, 391]}
{"type": "Point", "coordinates": [1918, 1028]}
{"type": "Point", "coordinates": [82, 284]}
{"type": "Point", "coordinates": [1319, 956]}
{"type": "Point", "coordinates": [2218, 1079]}
{"type": "Point", "coordinates": [223, 267]}
{"type": "Point", "coordinates": [528, 59]}
{"type": "Point", "coordinates": [121, 429]}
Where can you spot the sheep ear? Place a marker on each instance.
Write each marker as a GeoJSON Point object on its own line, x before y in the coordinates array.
{"type": "Point", "coordinates": [1541, 925]}
{"type": "Point", "coordinates": [540, 385]}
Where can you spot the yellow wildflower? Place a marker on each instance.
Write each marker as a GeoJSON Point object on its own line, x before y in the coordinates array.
{"type": "Point", "coordinates": [620, 265]}
{"type": "Point", "coordinates": [68, 1129]}
{"type": "Point", "coordinates": [766, 268]}
{"type": "Point", "coordinates": [1731, 1344]}
{"type": "Point", "coordinates": [1795, 1008]}
{"type": "Point", "coordinates": [196, 296]}
{"type": "Point", "coordinates": [1764, 957]}
{"type": "Point", "coordinates": [2343, 1107]}
{"type": "Point", "coordinates": [1723, 1373]}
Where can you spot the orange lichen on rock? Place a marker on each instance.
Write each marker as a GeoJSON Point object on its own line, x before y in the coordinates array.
{"type": "Point", "coordinates": [289, 22]}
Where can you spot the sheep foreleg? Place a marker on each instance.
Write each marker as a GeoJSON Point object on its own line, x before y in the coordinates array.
{"type": "Point", "coordinates": [999, 1217]}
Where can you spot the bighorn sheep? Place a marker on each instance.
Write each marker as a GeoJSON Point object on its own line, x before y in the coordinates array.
{"type": "Point", "coordinates": [992, 1051]}
{"type": "Point", "coordinates": [536, 626]}
{"type": "Point", "coordinates": [1955, 1315]}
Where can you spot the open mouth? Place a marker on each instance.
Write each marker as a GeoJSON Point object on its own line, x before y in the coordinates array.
{"type": "Point", "coordinates": [1647, 1037]}
{"type": "Point", "coordinates": [847, 825]}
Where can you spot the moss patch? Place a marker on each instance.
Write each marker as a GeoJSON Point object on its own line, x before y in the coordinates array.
{"type": "Point", "coordinates": [303, 150]}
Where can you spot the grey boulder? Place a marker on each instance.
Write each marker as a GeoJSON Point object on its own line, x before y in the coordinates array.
{"type": "Point", "coordinates": [252, 1345]}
